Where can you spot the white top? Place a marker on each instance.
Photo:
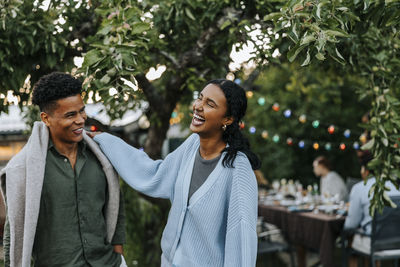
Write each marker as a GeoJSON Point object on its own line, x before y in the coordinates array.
{"type": "Point", "coordinates": [332, 184]}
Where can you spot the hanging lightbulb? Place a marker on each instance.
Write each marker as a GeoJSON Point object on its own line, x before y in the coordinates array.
{"type": "Point", "coordinates": [301, 144]}
{"type": "Point", "coordinates": [303, 118]}
{"type": "Point", "coordinates": [249, 94]}
{"type": "Point", "coordinates": [316, 146]}
{"type": "Point", "coordinates": [275, 138]}
{"type": "Point", "coordinates": [356, 146]}
{"type": "Point", "coordinates": [252, 129]}
{"type": "Point", "coordinates": [347, 133]}
{"type": "Point", "coordinates": [276, 107]}
{"type": "Point", "coordinates": [363, 138]}
{"type": "Point", "coordinates": [287, 113]}
{"type": "Point", "coordinates": [331, 129]}
{"type": "Point", "coordinates": [261, 101]}
{"type": "Point", "coordinates": [315, 123]}
{"type": "Point", "coordinates": [289, 141]}
{"type": "Point", "coordinates": [264, 134]}
{"type": "Point", "coordinates": [342, 146]}
{"type": "Point", "coordinates": [241, 125]}
{"type": "Point", "coordinates": [328, 146]}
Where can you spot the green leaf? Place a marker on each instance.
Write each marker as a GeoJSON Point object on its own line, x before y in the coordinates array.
{"type": "Point", "coordinates": [189, 14]}
{"type": "Point", "coordinates": [337, 33]}
{"type": "Point", "coordinates": [105, 79]}
{"type": "Point", "coordinates": [307, 39]}
{"type": "Point", "coordinates": [320, 56]}
{"type": "Point", "coordinates": [105, 30]}
{"type": "Point", "coordinates": [368, 145]}
{"type": "Point", "coordinates": [307, 60]}
{"type": "Point", "coordinates": [273, 16]}
{"type": "Point", "coordinates": [92, 57]}
{"type": "Point", "coordinates": [292, 54]}
{"type": "Point", "coordinates": [139, 27]}
{"type": "Point", "coordinates": [225, 24]}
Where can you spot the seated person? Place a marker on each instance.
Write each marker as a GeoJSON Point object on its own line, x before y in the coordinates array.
{"type": "Point", "coordinates": [358, 214]}
{"type": "Point", "coordinates": [331, 184]}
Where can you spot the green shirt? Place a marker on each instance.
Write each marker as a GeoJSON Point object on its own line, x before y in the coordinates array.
{"type": "Point", "coordinates": [71, 229]}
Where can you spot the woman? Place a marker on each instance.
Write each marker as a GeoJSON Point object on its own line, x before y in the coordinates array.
{"type": "Point", "coordinates": [208, 179]}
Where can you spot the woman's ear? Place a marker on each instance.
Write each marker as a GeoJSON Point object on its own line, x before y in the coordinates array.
{"type": "Point", "coordinates": [228, 121]}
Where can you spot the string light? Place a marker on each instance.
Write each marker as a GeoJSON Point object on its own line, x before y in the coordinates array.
{"type": "Point", "coordinates": [356, 146]}
{"type": "Point", "coordinates": [261, 101]}
{"type": "Point", "coordinates": [363, 138]}
{"type": "Point", "coordinates": [287, 113]}
{"type": "Point", "coordinates": [249, 94]}
{"type": "Point", "coordinates": [303, 118]}
{"type": "Point", "coordinates": [331, 129]}
{"type": "Point", "coordinates": [275, 138]}
{"type": "Point", "coordinates": [301, 144]}
{"type": "Point", "coordinates": [342, 146]}
{"type": "Point", "coordinates": [347, 133]}
{"type": "Point", "coordinates": [289, 141]}
{"type": "Point", "coordinates": [316, 146]}
{"type": "Point", "coordinates": [315, 123]}
{"type": "Point", "coordinates": [328, 146]}
{"type": "Point", "coordinates": [264, 134]}
{"type": "Point", "coordinates": [252, 129]}
{"type": "Point", "coordinates": [275, 107]}
{"type": "Point", "coordinates": [241, 125]}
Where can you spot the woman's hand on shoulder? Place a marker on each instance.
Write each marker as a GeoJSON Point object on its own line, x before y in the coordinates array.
{"type": "Point", "coordinates": [93, 134]}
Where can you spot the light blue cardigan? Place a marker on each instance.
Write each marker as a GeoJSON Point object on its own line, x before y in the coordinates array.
{"type": "Point", "coordinates": [217, 227]}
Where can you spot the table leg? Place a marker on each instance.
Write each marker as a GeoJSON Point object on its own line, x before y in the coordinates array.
{"type": "Point", "coordinates": [301, 256]}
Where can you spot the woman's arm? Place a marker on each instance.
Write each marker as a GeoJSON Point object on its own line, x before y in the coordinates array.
{"type": "Point", "coordinates": [241, 236]}
{"type": "Point", "coordinates": [155, 178]}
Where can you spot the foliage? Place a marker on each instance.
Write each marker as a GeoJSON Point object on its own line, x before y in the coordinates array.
{"type": "Point", "coordinates": [320, 94]}
{"type": "Point", "coordinates": [363, 36]}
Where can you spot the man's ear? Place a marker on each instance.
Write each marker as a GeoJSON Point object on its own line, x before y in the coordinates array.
{"type": "Point", "coordinates": [228, 121]}
{"type": "Point", "coordinates": [45, 118]}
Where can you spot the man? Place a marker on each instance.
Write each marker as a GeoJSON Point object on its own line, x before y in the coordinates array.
{"type": "Point", "coordinates": [63, 199]}
{"type": "Point", "coordinates": [358, 213]}
{"type": "Point", "coordinates": [331, 184]}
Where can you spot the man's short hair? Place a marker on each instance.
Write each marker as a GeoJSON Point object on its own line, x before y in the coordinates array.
{"type": "Point", "coordinates": [365, 156]}
{"type": "Point", "coordinates": [52, 87]}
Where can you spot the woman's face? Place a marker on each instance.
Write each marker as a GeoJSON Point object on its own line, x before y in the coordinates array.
{"type": "Point", "coordinates": [209, 111]}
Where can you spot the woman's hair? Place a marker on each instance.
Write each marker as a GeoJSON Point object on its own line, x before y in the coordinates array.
{"type": "Point", "coordinates": [322, 160]}
{"type": "Point", "coordinates": [236, 103]}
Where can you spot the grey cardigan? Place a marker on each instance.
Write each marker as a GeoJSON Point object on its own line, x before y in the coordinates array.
{"type": "Point", "coordinates": [21, 186]}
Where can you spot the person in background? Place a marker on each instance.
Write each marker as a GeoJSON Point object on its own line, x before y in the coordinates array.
{"type": "Point", "coordinates": [209, 180]}
{"type": "Point", "coordinates": [62, 195]}
{"type": "Point", "coordinates": [359, 202]}
{"type": "Point", "coordinates": [331, 184]}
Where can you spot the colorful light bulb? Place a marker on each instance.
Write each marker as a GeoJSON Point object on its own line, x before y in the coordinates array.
{"type": "Point", "coordinates": [315, 123]}
{"type": "Point", "coordinates": [276, 107]}
{"type": "Point", "coordinates": [328, 146]}
{"type": "Point", "coordinates": [252, 129]}
{"type": "Point", "coordinates": [261, 101]}
{"type": "Point", "coordinates": [342, 146]}
{"type": "Point", "coordinates": [301, 144]}
{"type": "Point", "coordinates": [356, 146]}
{"type": "Point", "coordinates": [316, 146]}
{"type": "Point", "coordinates": [347, 133]}
{"type": "Point", "coordinates": [289, 141]}
{"type": "Point", "coordinates": [287, 113]}
{"type": "Point", "coordinates": [331, 129]}
{"type": "Point", "coordinates": [303, 118]}
{"type": "Point", "coordinates": [275, 138]}
{"type": "Point", "coordinates": [264, 134]}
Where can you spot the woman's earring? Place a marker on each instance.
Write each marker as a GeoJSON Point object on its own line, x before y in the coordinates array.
{"type": "Point", "coordinates": [224, 127]}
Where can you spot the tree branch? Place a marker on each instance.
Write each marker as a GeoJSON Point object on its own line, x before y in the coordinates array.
{"type": "Point", "coordinates": [149, 90]}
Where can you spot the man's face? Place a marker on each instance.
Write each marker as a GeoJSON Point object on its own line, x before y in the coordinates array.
{"type": "Point", "coordinates": [66, 120]}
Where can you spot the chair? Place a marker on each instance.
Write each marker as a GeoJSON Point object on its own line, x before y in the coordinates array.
{"type": "Point", "coordinates": [267, 244]}
{"type": "Point", "coordinates": [385, 236]}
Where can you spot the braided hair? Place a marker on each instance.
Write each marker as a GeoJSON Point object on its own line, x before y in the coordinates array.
{"type": "Point", "coordinates": [236, 102]}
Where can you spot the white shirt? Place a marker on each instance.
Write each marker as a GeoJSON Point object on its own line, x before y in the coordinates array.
{"type": "Point", "coordinates": [332, 184]}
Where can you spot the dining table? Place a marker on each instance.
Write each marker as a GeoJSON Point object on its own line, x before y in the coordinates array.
{"type": "Point", "coordinates": [310, 229]}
